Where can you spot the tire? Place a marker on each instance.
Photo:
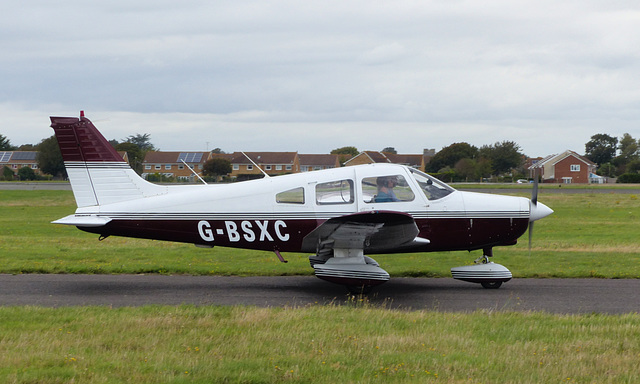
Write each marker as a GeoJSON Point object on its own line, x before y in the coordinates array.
{"type": "Point", "coordinates": [491, 284]}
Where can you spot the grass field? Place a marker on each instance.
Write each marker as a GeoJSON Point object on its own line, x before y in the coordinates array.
{"type": "Point", "coordinates": [316, 344]}
{"type": "Point", "coordinates": [589, 235]}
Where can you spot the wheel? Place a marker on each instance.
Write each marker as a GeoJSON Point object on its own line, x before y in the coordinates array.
{"type": "Point", "coordinates": [359, 289]}
{"type": "Point", "coordinates": [491, 284]}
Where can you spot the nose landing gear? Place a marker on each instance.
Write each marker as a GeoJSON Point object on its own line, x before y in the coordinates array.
{"type": "Point", "coordinates": [488, 274]}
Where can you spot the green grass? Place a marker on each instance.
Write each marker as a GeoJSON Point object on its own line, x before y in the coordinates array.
{"type": "Point", "coordinates": [356, 343]}
{"type": "Point", "coordinates": [589, 235]}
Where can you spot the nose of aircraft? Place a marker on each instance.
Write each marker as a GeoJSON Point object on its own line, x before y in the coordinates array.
{"type": "Point", "coordinates": [539, 211]}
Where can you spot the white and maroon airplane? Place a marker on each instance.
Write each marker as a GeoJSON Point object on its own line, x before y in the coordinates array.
{"type": "Point", "coordinates": [339, 215]}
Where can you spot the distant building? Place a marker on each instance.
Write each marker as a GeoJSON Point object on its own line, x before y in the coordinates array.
{"type": "Point", "coordinates": [170, 164]}
{"type": "Point", "coordinates": [19, 159]}
{"type": "Point", "coordinates": [567, 167]}
{"type": "Point", "coordinates": [317, 162]}
{"type": "Point", "coordinates": [272, 163]}
{"type": "Point", "coordinates": [371, 157]}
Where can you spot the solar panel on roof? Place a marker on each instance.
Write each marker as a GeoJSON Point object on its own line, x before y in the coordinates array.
{"type": "Point", "coordinates": [24, 156]}
{"type": "Point", "coordinates": [5, 156]}
{"type": "Point", "coordinates": [190, 157]}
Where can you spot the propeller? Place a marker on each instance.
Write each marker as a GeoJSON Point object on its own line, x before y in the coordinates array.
{"type": "Point", "coordinates": [537, 210]}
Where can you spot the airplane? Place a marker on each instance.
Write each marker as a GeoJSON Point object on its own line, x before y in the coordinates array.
{"type": "Point", "coordinates": [340, 215]}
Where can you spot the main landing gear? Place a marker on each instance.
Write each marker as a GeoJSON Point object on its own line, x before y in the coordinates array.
{"type": "Point", "coordinates": [488, 274]}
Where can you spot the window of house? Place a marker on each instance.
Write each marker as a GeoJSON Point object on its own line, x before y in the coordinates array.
{"type": "Point", "coordinates": [236, 167]}
{"type": "Point", "coordinates": [267, 167]}
{"type": "Point", "coordinates": [335, 192]}
{"type": "Point", "coordinates": [292, 196]}
{"type": "Point", "coordinates": [304, 168]}
{"type": "Point", "coordinates": [288, 167]}
{"type": "Point", "coordinates": [167, 166]}
{"type": "Point", "coordinates": [147, 167]}
{"type": "Point", "coordinates": [575, 167]}
{"type": "Point", "coordinates": [158, 166]}
{"type": "Point", "coordinates": [250, 167]}
{"type": "Point", "coordinates": [278, 167]}
{"type": "Point", "coordinates": [180, 166]}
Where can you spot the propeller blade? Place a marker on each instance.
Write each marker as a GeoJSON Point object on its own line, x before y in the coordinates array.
{"type": "Point", "coordinates": [530, 236]}
{"type": "Point", "coordinates": [534, 193]}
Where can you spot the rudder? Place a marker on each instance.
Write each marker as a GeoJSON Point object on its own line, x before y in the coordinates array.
{"type": "Point", "coordinates": [98, 174]}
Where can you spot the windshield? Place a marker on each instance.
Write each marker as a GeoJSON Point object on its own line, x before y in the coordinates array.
{"type": "Point", "coordinates": [432, 188]}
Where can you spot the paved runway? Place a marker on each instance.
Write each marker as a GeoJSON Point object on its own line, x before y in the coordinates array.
{"type": "Point", "coordinates": [549, 295]}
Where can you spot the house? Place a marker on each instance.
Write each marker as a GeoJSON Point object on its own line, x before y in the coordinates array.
{"type": "Point", "coordinates": [318, 162]}
{"type": "Point", "coordinates": [170, 164]}
{"type": "Point", "coordinates": [15, 160]}
{"type": "Point", "coordinates": [370, 157]}
{"type": "Point", "coordinates": [567, 167]}
{"type": "Point", "coordinates": [272, 163]}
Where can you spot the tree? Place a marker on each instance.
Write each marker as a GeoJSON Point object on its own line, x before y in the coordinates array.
{"type": "Point", "coordinates": [390, 150]}
{"type": "Point", "coordinates": [7, 173]}
{"type": "Point", "coordinates": [504, 156]}
{"type": "Point", "coordinates": [345, 153]}
{"type": "Point", "coordinates": [629, 152]}
{"type": "Point", "coordinates": [26, 173]}
{"type": "Point", "coordinates": [49, 158]}
{"type": "Point", "coordinates": [449, 156]}
{"type": "Point", "coordinates": [5, 144]}
{"type": "Point", "coordinates": [601, 148]}
{"type": "Point", "coordinates": [136, 147]}
{"type": "Point", "coordinates": [135, 154]}
{"type": "Point", "coordinates": [467, 169]}
{"type": "Point", "coordinates": [216, 167]}
{"type": "Point", "coordinates": [143, 141]}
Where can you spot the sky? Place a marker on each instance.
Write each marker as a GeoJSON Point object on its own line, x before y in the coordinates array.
{"type": "Point", "coordinates": [312, 76]}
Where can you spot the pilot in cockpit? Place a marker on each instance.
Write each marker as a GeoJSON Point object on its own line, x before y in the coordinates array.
{"type": "Point", "coordinates": [385, 189]}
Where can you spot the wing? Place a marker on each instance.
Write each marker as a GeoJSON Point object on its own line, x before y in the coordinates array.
{"type": "Point", "coordinates": [373, 232]}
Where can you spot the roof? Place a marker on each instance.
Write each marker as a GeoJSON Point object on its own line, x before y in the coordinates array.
{"type": "Point", "coordinates": [17, 156]}
{"type": "Point", "coordinates": [319, 159]}
{"type": "Point", "coordinates": [555, 158]}
{"type": "Point", "coordinates": [264, 157]}
{"type": "Point", "coordinates": [175, 157]}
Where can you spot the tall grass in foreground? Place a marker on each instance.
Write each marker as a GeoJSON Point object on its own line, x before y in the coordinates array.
{"type": "Point", "coordinates": [589, 235]}
{"type": "Point", "coordinates": [338, 344]}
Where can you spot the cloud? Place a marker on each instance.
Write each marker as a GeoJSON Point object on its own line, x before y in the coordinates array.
{"type": "Point", "coordinates": [406, 74]}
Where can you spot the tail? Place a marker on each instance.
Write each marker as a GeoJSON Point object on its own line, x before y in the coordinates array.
{"type": "Point", "coordinates": [98, 174]}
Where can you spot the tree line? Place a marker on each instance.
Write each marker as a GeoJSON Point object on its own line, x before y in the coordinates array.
{"type": "Point", "coordinates": [456, 162]}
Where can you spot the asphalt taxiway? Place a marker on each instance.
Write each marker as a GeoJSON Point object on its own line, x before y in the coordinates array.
{"type": "Point", "coordinates": [565, 296]}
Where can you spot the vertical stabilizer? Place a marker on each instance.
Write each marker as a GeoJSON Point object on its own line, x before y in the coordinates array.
{"type": "Point", "coordinates": [98, 174]}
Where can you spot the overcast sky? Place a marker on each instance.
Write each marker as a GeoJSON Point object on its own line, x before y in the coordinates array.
{"type": "Point", "coordinates": [312, 76]}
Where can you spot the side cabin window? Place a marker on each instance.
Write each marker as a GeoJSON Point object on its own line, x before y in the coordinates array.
{"type": "Point", "coordinates": [386, 189]}
{"type": "Point", "coordinates": [292, 196]}
{"type": "Point", "coordinates": [335, 192]}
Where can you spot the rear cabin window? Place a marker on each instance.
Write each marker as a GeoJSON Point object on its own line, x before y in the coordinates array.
{"type": "Point", "coordinates": [292, 196]}
{"type": "Point", "coordinates": [386, 189]}
{"type": "Point", "coordinates": [335, 192]}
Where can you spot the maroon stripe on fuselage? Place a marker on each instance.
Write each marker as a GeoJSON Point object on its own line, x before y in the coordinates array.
{"type": "Point", "coordinates": [444, 234]}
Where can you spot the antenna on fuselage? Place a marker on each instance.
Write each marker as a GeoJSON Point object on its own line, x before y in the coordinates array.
{"type": "Point", "coordinates": [192, 171]}
{"type": "Point", "coordinates": [256, 165]}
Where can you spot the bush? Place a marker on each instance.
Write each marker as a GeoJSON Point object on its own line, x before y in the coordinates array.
{"type": "Point", "coordinates": [629, 178]}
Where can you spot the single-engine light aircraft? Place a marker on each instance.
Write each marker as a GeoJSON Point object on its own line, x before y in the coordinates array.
{"type": "Point", "coordinates": [338, 215]}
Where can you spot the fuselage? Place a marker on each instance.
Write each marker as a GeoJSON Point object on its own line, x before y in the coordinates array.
{"type": "Point", "coordinates": [276, 213]}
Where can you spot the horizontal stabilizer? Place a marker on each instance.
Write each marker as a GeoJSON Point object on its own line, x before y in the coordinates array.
{"type": "Point", "coordinates": [83, 220]}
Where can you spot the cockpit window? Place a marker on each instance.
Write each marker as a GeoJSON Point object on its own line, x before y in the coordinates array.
{"type": "Point", "coordinates": [432, 188]}
{"type": "Point", "coordinates": [385, 189]}
{"type": "Point", "coordinates": [292, 196]}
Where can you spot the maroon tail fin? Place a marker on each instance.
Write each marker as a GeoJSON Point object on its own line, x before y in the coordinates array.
{"type": "Point", "coordinates": [79, 140]}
